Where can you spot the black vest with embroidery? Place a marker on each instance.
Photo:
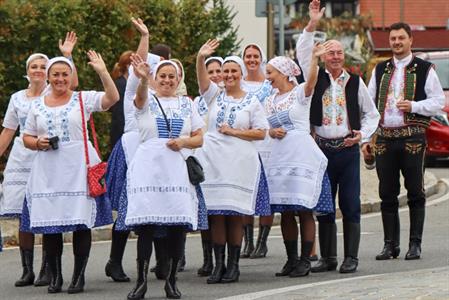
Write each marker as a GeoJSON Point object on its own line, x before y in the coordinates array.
{"type": "Point", "coordinates": [415, 75]}
{"type": "Point", "coordinates": [351, 95]}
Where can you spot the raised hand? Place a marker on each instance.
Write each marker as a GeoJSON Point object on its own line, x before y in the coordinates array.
{"type": "Point", "coordinates": [69, 43]}
{"type": "Point", "coordinates": [141, 68]}
{"type": "Point", "coordinates": [315, 13]}
{"type": "Point", "coordinates": [96, 62]}
{"type": "Point", "coordinates": [140, 26]}
{"type": "Point", "coordinates": [208, 48]}
{"type": "Point", "coordinates": [320, 49]}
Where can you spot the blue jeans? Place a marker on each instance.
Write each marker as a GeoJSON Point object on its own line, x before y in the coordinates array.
{"type": "Point", "coordinates": [344, 174]}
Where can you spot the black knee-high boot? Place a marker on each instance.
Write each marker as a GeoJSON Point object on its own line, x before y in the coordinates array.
{"type": "Point", "coordinates": [232, 268]}
{"type": "Point", "coordinates": [82, 241]}
{"type": "Point", "coordinates": [248, 237]}
{"type": "Point", "coordinates": [416, 229]}
{"type": "Point", "coordinates": [171, 289]}
{"type": "Point", "coordinates": [144, 247]}
{"type": "Point", "coordinates": [220, 269]}
{"type": "Point", "coordinates": [160, 250]}
{"type": "Point", "coordinates": [208, 265]}
{"type": "Point", "coordinates": [261, 244]}
{"type": "Point", "coordinates": [53, 248]}
{"type": "Point", "coordinates": [391, 248]}
{"type": "Point", "coordinates": [27, 278]}
{"type": "Point", "coordinates": [327, 235]}
{"type": "Point", "coordinates": [114, 268]}
{"type": "Point", "coordinates": [351, 239]}
{"type": "Point", "coordinates": [43, 278]}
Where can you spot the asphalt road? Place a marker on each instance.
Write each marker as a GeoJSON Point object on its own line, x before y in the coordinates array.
{"type": "Point", "coordinates": [256, 275]}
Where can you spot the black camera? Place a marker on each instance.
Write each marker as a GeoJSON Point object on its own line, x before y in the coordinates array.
{"type": "Point", "coordinates": [54, 142]}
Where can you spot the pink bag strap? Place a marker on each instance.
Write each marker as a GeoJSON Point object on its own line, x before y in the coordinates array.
{"type": "Point", "coordinates": [94, 134]}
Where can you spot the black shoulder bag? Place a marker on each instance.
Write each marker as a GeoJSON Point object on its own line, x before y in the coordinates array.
{"type": "Point", "coordinates": [194, 168]}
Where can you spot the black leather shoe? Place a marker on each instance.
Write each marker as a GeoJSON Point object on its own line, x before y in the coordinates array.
{"type": "Point", "coordinates": [349, 265]}
{"type": "Point", "coordinates": [325, 264]}
{"type": "Point", "coordinates": [414, 251]}
{"type": "Point", "coordinates": [27, 278]}
{"type": "Point", "coordinates": [115, 271]}
{"type": "Point", "coordinates": [389, 251]}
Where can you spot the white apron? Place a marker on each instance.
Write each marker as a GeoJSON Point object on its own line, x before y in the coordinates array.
{"type": "Point", "coordinates": [158, 187]}
{"type": "Point", "coordinates": [232, 171]}
{"type": "Point", "coordinates": [295, 177]}
{"type": "Point", "coordinates": [16, 175]}
{"type": "Point", "coordinates": [57, 187]}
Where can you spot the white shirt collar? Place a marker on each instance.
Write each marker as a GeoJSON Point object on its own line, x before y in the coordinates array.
{"type": "Point", "coordinates": [403, 62]}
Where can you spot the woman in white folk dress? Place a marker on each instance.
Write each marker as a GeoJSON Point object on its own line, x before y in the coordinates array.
{"type": "Point", "coordinates": [297, 181]}
{"type": "Point", "coordinates": [57, 196]}
{"type": "Point", "coordinates": [20, 159]}
{"type": "Point", "coordinates": [159, 193]}
{"type": "Point", "coordinates": [234, 177]}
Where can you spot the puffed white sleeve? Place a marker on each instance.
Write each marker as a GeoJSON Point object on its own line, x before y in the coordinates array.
{"type": "Point", "coordinates": [301, 95]}
{"type": "Point", "coordinates": [92, 102]}
{"type": "Point", "coordinates": [11, 119]}
{"type": "Point", "coordinates": [31, 123]}
{"type": "Point", "coordinates": [211, 92]}
{"type": "Point", "coordinates": [196, 119]}
{"type": "Point", "coordinates": [258, 116]}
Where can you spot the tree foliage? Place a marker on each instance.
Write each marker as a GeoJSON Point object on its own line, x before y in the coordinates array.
{"type": "Point", "coordinates": [33, 26]}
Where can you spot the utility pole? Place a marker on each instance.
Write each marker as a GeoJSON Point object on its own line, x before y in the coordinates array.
{"type": "Point", "coordinates": [270, 29]}
{"type": "Point", "coordinates": [281, 27]}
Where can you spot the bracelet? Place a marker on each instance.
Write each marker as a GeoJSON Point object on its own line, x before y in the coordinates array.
{"type": "Point", "coordinates": [37, 144]}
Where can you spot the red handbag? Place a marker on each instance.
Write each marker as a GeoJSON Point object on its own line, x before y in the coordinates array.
{"type": "Point", "coordinates": [96, 180]}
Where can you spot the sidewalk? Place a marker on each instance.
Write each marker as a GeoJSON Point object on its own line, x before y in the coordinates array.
{"type": "Point", "coordinates": [370, 202]}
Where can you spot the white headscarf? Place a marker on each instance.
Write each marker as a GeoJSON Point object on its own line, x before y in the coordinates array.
{"type": "Point", "coordinates": [31, 58]}
{"type": "Point", "coordinates": [237, 60]}
{"type": "Point", "coordinates": [214, 58]}
{"type": "Point", "coordinates": [59, 59]}
{"type": "Point", "coordinates": [182, 88]}
{"type": "Point", "coordinates": [165, 62]}
{"type": "Point", "coordinates": [262, 53]}
{"type": "Point", "coordinates": [286, 66]}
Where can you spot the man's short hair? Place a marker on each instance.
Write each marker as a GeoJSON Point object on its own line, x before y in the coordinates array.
{"type": "Point", "coordinates": [401, 25]}
{"type": "Point", "coordinates": [161, 50]}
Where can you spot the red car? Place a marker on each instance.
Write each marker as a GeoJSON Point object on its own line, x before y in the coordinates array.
{"type": "Point", "coordinates": [438, 131]}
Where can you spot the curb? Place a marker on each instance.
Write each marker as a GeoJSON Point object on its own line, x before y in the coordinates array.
{"type": "Point", "coordinates": [104, 233]}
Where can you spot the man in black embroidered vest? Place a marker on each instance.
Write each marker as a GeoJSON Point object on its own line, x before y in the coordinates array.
{"type": "Point", "coordinates": [407, 92]}
{"type": "Point", "coordinates": [342, 115]}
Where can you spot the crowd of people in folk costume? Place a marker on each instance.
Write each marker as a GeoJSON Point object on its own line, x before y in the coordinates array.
{"type": "Point", "coordinates": [272, 137]}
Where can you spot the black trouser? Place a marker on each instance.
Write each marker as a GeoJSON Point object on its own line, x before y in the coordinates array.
{"type": "Point", "coordinates": [405, 155]}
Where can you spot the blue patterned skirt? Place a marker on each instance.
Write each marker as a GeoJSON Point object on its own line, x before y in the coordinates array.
{"type": "Point", "coordinates": [262, 200]}
{"type": "Point", "coordinates": [324, 205]}
{"type": "Point", "coordinates": [103, 217]}
{"type": "Point", "coordinates": [116, 174]}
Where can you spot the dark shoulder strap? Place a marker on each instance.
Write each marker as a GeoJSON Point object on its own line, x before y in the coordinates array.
{"type": "Point", "coordinates": [163, 113]}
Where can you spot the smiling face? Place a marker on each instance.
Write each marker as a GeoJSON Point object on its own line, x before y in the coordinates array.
{"type": "Point", "coordinates": [232, 74]}
{"type": "Point", "coordinates": [334, 59]}
{"type": "Point", "coordinates": [214, 72]}
{"type": "Point", "coordinates": [166, 80]}
{"type": "Point", "coordinates": [400, 43]}
{"type": "Point", "coordinates": [60, 77]}
{"type": "Point", "coordinates": [36, 70]}
{"type": "Point", "coordinates": [252, 58]}
{"type": "Point", "coordinates": [274, 76]}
